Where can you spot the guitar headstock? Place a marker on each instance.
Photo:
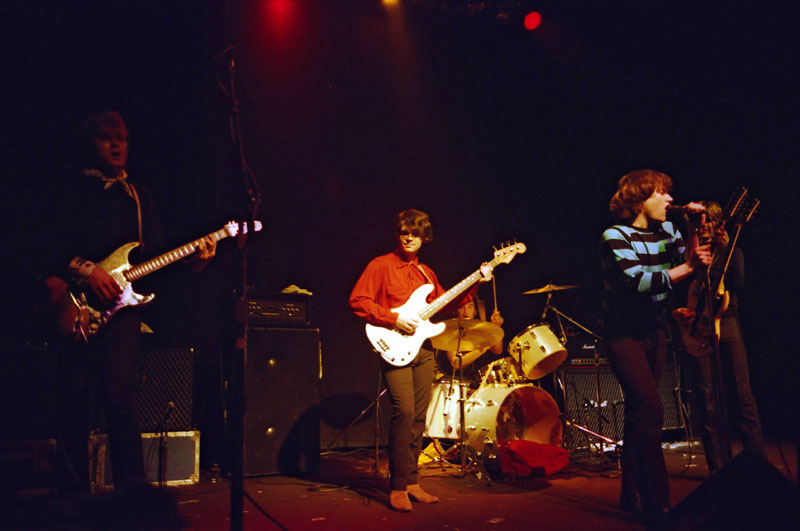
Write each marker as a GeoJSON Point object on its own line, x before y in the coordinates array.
{"type": "Point", "coordinates": [231, 228]}
{"type": "Point", "coordinates": [741, 207]}
{"type": "Point", "coordinates": [508, 252]}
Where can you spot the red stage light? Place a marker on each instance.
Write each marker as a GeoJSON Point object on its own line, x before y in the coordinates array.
{"type": "Point", "coordinates": [281, 15]}
{"type": "Point", "coordinates": [532, 20]}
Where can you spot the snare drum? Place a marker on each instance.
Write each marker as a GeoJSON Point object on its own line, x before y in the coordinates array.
{"type": "Point", "coordinates": [444, 411]}
{"type": "Point", "coordinates": [540, 349]}
{"type": "Point", "coordinates": [497, 414]}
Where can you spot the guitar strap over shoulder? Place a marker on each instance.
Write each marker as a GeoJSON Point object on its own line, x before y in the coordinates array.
{"type": "Point", "coordinates": [135, 196]}
{"type": "Point", "coordinates": [424, 274]}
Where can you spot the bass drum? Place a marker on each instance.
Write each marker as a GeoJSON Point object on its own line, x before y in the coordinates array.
{"type": "Point", "coordinates": [498, 414]}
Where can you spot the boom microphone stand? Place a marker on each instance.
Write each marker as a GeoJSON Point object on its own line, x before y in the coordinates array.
{"type": "Point", "coordinates": [597, 404]}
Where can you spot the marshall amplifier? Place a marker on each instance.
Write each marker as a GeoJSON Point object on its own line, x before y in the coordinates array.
{"type": "Point", "coordinates": [279, 309]}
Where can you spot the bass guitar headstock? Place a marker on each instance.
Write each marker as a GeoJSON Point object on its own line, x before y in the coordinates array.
{"type": "Point", "coordinates": [506, 253]}
{"type": "Point", "coordinates": [232, 227]}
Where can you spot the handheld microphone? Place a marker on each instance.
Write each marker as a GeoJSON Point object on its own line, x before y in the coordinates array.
{"type": "Point", "coordinates": [683, 209]}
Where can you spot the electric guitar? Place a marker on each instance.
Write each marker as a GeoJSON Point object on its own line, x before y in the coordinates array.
{"type": "Point", "coordinates": [77, 319]}
{"type": "Point", "coordinates": [700, 334]}
{"type": "Point", "coordinates": [399, 348]}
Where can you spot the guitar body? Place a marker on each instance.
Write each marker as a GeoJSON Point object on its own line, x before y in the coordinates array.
{"type": "Point", "coordinates": [397, 347]}
{"type": "Point", "coordinates": [76, 318]}
{"type": "Point", "coordinates": [696, 335]}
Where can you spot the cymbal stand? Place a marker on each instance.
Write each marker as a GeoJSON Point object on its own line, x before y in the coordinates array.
{"type": "Point", "coordinates": [559, 315]}
{"type": "Point", "coordinates": [548, 307]}
{"type": "Point", "coordinates": [464, 448]}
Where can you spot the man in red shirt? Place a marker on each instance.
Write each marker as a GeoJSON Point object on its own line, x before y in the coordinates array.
{"type": "Point", "coordinates": [387, 283]}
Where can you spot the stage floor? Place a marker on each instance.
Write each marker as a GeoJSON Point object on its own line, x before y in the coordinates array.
{"type": "Point", "coordinates": [348, 493]}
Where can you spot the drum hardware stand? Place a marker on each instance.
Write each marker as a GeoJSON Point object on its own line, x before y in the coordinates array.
{"type": "Point", "coordinates": [567, 421]}
{"type": "Point", "coordinates": [461, 446]}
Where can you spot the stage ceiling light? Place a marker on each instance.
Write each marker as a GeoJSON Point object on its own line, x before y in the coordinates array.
{"type": "Point", "coordinates": [532, 20]}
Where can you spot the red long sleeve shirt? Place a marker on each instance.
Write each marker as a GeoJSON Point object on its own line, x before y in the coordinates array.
{"type": "Point", "coordinates": [387, 282]}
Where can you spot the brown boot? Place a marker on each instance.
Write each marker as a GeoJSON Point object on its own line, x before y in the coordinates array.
{"type": "Point", "coordinates": [398, 500]}
{"type": "Point", "coordinates": [417, 494]}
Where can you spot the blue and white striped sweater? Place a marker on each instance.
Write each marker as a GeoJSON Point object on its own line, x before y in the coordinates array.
{"type": "Point", "coordinates": [635, 278]}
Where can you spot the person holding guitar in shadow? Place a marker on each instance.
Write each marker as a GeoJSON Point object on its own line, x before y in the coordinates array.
{"type": "Point", "coordinates": [97, 211]}
{"type": "Point", "coordinates": [727, 271]}
{"type": "Point", "coordinates": [643, 257]}
{"type": "Point", "coordinates": [382, 296]}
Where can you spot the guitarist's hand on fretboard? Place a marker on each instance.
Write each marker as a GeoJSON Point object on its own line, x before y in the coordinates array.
{"type": "Point", "coordinates": [206, 249]}
{"type": "Point", "coordinates": [486, 273]}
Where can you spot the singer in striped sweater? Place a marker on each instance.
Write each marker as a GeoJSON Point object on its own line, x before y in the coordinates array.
{"type": "Point", "coordinates": [643, 257]}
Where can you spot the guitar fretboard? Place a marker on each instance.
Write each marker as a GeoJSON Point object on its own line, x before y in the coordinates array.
{"type": "Point", "coordinates": [154, 264]}
{"type": "Point", "coordinates": [431, 309]}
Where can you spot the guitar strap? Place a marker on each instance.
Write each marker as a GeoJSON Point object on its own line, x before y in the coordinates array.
{"type": "Point", "coordinates": [424, 274]}
{"type": "Point", "coordinates": [135, 196]}
{"type": "Point", "coordinates": [130, 190]}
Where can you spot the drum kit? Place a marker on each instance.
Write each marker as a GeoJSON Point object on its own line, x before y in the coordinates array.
{"type": "Point", "coordinates": [507, 404]}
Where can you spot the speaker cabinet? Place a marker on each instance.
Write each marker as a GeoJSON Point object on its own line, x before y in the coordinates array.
{"type": "Point", "coordinates": [281, 419]}
{"type": "Point", "coordinates": [607, 415]}
{"type": "Point", "coordinates": [163, 399]}
{"type": "Point", "coordinates": [747, 493]}
{"type": "Point", "coordinates": [582, 407]}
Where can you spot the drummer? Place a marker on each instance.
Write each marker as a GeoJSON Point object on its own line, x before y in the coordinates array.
{"type": "Point", "coordinates": [472, 360]}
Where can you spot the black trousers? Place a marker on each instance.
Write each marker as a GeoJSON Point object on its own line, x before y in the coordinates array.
{"type": "Point", "coordinates": [735, 383]}
{"type": "Point", "coordinates": [638, 364]}
{"type": "Point", "coordinates": [105, 368]}
{"type": "Point", "coordinates": [410, 391]}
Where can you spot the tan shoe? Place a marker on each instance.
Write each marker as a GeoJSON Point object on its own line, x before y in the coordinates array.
{"type": "Point", "coordinates": [417, 494]}
{"type": "Point", "coordinates": [398, 500]}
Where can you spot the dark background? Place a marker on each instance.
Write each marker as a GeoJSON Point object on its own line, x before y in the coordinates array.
{"type": "Point", "coordinates": [352, 111]}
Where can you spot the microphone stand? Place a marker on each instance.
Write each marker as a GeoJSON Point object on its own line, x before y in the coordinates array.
{"type": "Point", "coordinates": [600, 417]}
{"type": "Point", "coordinates": [162, 444]}
{"type": "Point", "coordinates": [251, 198]}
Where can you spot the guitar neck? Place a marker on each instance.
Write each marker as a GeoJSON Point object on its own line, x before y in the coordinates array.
{"type": "Point", "coordinates": [431, 309]}
{"type": "Point", "coordinates": [154, 264]}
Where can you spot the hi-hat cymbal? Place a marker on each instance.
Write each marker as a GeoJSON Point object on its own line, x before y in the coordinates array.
{"type": "Point", "coordinates": [473, 334]}
{"type": "Point", "coordinates": [547, 288]}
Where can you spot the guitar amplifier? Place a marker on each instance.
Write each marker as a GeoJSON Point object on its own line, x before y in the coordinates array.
{"type": "Point", "coordinates": [279, 309]}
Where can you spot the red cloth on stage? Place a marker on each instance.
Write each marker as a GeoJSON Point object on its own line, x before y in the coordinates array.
{"type": "Point", "coordinates": [518, 456]}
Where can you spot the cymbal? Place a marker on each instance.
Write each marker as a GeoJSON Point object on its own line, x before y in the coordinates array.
{"type": "Point", "coordinates": [548, 288]}
{"type": "Point", "coordinates": [474, 334]}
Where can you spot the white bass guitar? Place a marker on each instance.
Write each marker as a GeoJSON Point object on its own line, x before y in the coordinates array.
{"type": "Point", "coordinates": [399, 348]}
